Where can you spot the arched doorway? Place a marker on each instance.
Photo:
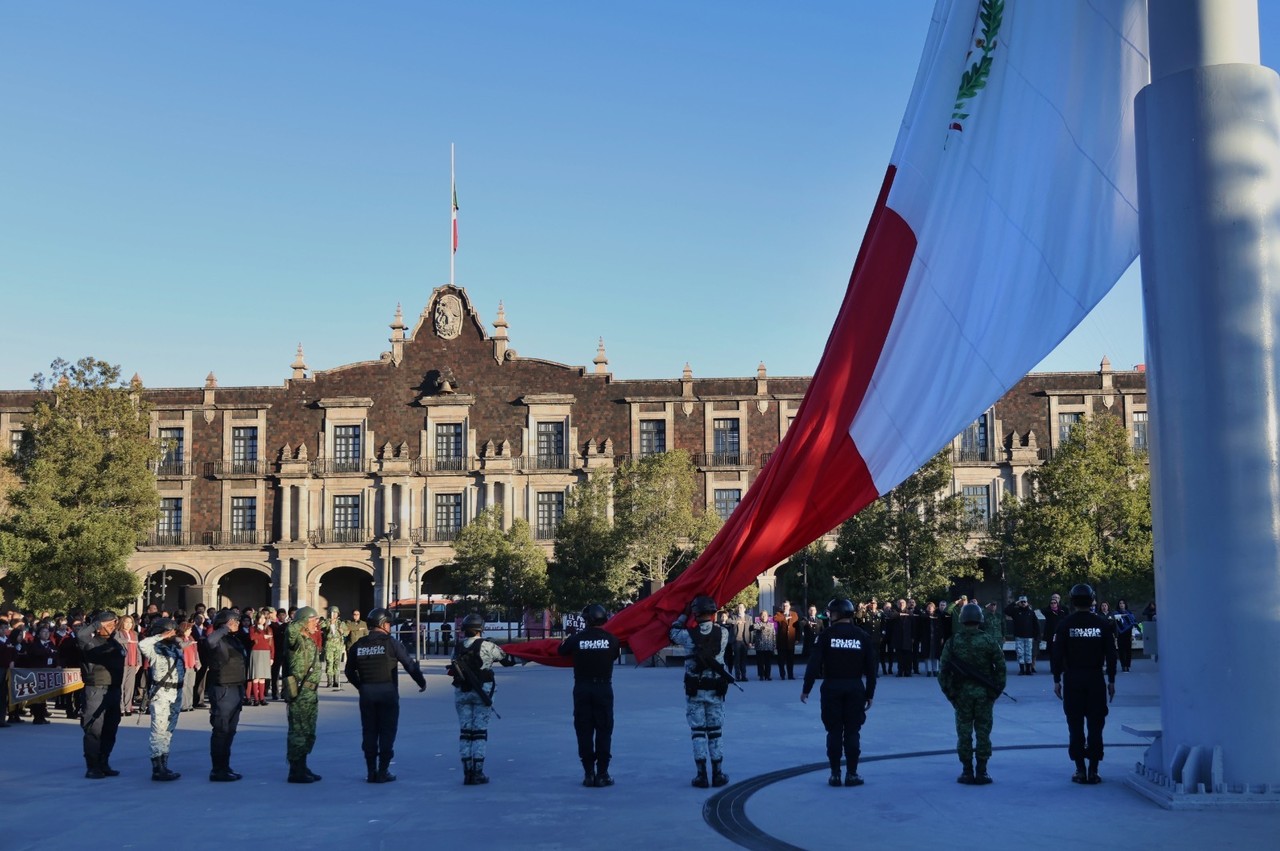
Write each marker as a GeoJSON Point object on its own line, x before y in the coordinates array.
{"type": "Point", "coordinates": [171, 589]}
{"type": "Point", "coordinates": [244, 587]}
{"type": "Point", "coordinates": [348, 588]}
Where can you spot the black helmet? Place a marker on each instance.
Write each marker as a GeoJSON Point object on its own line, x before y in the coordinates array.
{"type": "Point", "coordinates": [971, 613]}
{"type": "Point", "coordinates": [473, 623]}
{"type": "Point", "coordinates": [221, 618]}
{"type": "Point", "coordinates": [841, 607]}
{"type": "Point", "coordinates": [1082, 595]}
{"type": "Point", "coordinates": [704, 605]}
{"type": "Point", "coordinates": [162, 625]}
{"type": "Point", "coordinates": [378, 617]}
{"type": "Point", "coordinates": [595, 615]}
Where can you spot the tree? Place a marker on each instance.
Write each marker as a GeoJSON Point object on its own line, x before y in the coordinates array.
{"type": "Point", "coordinates": [505, 567]}
{"type": "Point", "coordinates": [810, 577]}
{"type": "Point", "coordinates": [908, 542]}
{"type": "Point", "coordinates": [589, 564]}
{"type": "Point", "coordinates": [1087, 517]}
{"type": "Point", "coordinates": [654, 508]}
{"type": "Point", "coordinates": [87, 495]}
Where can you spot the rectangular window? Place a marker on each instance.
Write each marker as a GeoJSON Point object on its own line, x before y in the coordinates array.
{"type": "Point", "coordinates": [244, 449]}
{"type": "Point", "coordinates": [244, 519]}
{"type": "Point", "coordinates": [448, 516]}
{"type": "Point", "coordinates": [172, 452]}
{"type": "Point", "coordinates": [551, 455]}
{"type": "Point", "coordinates": [346, 518]}
{"type": "Point", "coordinates": [346, 449]}
{"type": "Point", "coordinates": [15, 441]}
{"type": "Point", "coordinates": [653, 437]}
{"type": "Point", "coordinates": [727, 446]}
{"type": "Point", "coordinates": [550, 513]}
{"type": "Point", "coordinates": [973, 442]}
{"type": "Point", "coordinates": [449, 446]}
{"type": "Point", "coordinates": [726, 501]}
{"type": "Point", "coordinates": [1066, 422]}
{"type": "Point", "coordinates": [169, 526]}
{"type": "Point", "coordinates": [977, 505]}
{"type": "Point", "coordinates": [1140, 431]}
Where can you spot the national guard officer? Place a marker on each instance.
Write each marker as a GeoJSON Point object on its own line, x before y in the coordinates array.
{"type": "Point", "coordinates": [706, 682]}
{"type": "Point", "coordinates": [300, 689]}
{"type": "Point", "coordinates": [371, 668]}
{"type": "Point", "coordinates": [161, 648]}
{"type": "Point", "coordinates": [103, 665]}
{"type": "Point", "coordinates": [1084, 643]}
{"type": "Point", "coordinates": [335, 644]}
{"type": "Point", "coordinates": [845, 657]}
{"type": "Point", "coordinates": [594, 650]}
{"type": "Point", "coordinates": [972, 676]}
{"type": "Point", "coordinates": [472, 670]}
{"type": "Point", "coordinates": [228, 658]}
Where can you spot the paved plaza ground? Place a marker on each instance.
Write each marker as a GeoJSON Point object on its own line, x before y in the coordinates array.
{"type": "Point", "coordinates": [778, 796]}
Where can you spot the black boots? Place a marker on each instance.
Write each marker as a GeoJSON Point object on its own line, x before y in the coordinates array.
{"type": "Point", "coordinates": [718, 777]}
{"type": "Point", "coordinates": [160, 769]}
{"type": "Point", "coordinates": [93, 770]}
{"type": "Point", "coordinates": [834, 779]}
{"type": "Point", "coordinates": [474, 772]}
{"type": "Point", "coordinates": [966, 775]}
{"type": "Point", "coordinates": [700, 779]}
{"type": "Point", "coordinates": [589, 772]}
{"type": "Point", "coordinates": [1080, 776]}
{"type": "Point", "coordinates": [223, 774]}
{"type": "Point", "coordinates": [602, 773]}
{"type": "Point", "coordinates": [371, 769]}
{"type": "Point", "coordinates": [982, 778]}
{"type": "Point", "coordinates": [384, 764]}
{"type": "Point", "coordinates": [298, 772]}
{"type": "Point", "coordinates": [1093, 773]}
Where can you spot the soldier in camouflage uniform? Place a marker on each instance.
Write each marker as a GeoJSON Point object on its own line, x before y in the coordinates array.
{"type": "Point", "coordinates": [168, 671]}
{"type": "Point", "coordinates": [473, 685]}
{"type": "Point", "coordinates": [705, 685]}
{"type": "Point", "coordinates": [969, 658]}
{"type": "Point", "coordinates": [335, 647]}
{"type": "Point", "coordinates": [304, 666]}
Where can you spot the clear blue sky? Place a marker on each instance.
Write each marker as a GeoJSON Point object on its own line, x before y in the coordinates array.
{"type": "Point", "coordinates": [187, 187]}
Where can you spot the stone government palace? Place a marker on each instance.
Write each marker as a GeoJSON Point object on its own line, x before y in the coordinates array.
{"type": "Point", "coordinates": [333, 487]}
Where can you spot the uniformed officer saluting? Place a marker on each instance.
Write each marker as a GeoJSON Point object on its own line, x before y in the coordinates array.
{"type": "Point", "coordinates": [371, 668]}
{"type": "Point", "coordinates": [844, 656]}
{"type": "Point", "coordinates": [705, 684]}
{"type": "Point", "coordinates": [1083, 644]}
{"type": "Point", "coordinates": [594, 651]}
{"type": "Point", "coordinates": [228, 665]}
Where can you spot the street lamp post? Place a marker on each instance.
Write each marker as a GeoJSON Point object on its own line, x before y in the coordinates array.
{"type": "Point", "coordinates": [417, 598]}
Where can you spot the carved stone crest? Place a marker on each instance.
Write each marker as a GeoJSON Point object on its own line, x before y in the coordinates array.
{"type": "Point", "coordinates": [448, 316]}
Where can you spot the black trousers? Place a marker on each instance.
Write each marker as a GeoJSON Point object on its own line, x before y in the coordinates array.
{"type": "Point", "coordinates": [379, 719]}
{"type": "Point", "coordinates": [1084, 700]}
{"type": "Point", "coordinates": [786, 659]}
{"type": "Point", "coordinates": [843, 713]}
{"type": "Point", "coordinates": [224, 716]}
{"type": "Point", "coordinates": [764, 662]}
{"type": "Point", "coordinates": [100, 721]}
{"type": "Point", "coordinates": [1124, 645]}
{"type": "Point", "coordinates": [593, 720]}
{"type": "Point", "coordinates": [740, 660]}
{"type": "Point", "coordinates": [277, 672]}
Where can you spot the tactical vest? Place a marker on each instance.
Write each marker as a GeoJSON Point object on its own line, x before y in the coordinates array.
{"type": "Point", "coordinates": [374, 659]}
{"type": "Point", "coordinates": [228, 668]}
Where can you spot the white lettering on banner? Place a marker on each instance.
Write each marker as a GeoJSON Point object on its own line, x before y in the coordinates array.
{"type": "Point", "coordinates": [375, 650]}
{"type": "Point", "coordinates": [846, 643]}
{"type": "Point", "coordinates": [594, 644]}
{"type": "Point", "coordinates": [1085, 632]}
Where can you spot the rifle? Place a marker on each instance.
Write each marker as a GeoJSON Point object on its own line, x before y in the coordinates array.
{"type": "Point", "coordinates": [709, 660]}
{"type": "Point", "coordinates": [965, 671]}
{"type": "Point", "coordinates": [462, 667]}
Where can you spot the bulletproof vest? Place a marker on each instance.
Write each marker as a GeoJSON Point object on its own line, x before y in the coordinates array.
{"type": "Point", "coordinates": [104, 663]}
{"type": "Point", "coordinates": [844, 650]}
{"type": "Point", "coordinates": [228, 660]}
{"type": "Point", "coordinates": [706, 647]}
{"type": "Point", "coordinates": [594, 652]}
{"type": "Point", "coordinates": [374, 659]}
{"type": "Point", "coordinates": [1085, 637]}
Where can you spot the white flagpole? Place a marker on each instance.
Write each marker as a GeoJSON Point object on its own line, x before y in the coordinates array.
{"type": "Point", "coordinates": [453, 215]}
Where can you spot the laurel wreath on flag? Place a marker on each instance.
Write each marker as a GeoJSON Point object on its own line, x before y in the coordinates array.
{"type": "Point", "coordinates": [974, 79]}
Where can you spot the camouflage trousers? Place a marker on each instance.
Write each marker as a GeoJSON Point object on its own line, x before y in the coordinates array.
{"type": "Point", "coordinates": [473, 722]}
{"type": "Point", "coordinates": [973, 719]}
{"type": "Point", "coordinates": [302, 724]}
{"type": "Point", "coordinates": [1025, 650]}
{"type": "Point", "coordinates": [705, 713]}
{"type": "Point", "coordinates": [166, 706]}
{"type": "Point", "coordinates": [333, 661]}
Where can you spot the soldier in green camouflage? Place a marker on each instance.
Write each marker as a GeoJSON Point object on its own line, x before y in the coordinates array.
{"type": "Point", "coordinates": [972, 676]}
{"type": "Point", "coordinates": [304, 668]}
{"type": "Point", "coordinates": [335, 647]}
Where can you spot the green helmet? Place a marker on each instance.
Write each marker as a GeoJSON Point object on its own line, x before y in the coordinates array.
{"type": "Point", "coordinates": [334, 610]}
{"type": "Point", "coordinates": [304, 613]}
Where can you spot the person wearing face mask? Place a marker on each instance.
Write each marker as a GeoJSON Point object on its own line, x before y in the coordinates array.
{"type": "Point", "coordinates": [163, 650]}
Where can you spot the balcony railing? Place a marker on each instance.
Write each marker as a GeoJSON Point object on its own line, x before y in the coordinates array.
{"type": "Point", "coordinates": [442, 464]}
{"type": "Point", "coordinates": [722, 459]}
{"type": "Point", "coordinates": [168, 467]}
{"type": "Point", "coordinates": [544, 462]}
{"type": "Point", "coordinates": [322, 466]}
{"type": "Point", "coordinates": [238, 538]}
{"type": "Point", "coordinates": [235, 467]}
{"type": "Point", "coordinates": [341, 536]}
{"type": "Point", "coordinates": [171, 539]}
{"type": "Point", "coordinates": [971, 455]}
{"type": "Point", "coordinates": [544, 532]}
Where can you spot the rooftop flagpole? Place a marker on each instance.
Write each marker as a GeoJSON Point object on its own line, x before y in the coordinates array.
{"type": "Point", "coordinates": [453, 239]}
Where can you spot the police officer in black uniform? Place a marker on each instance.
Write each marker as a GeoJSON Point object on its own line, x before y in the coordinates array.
{"type": "Point", "coordinates": [371, 668]}
{"type": "Point", "coordinates": [843, 655]}
{"type": "Point", "coordinates": [1084, 643]}
{"type": "Point", "coordinates": [103, 667]}
{"type": "Point", "coordinates": [228, 659]}
{"type": "Point", "coordinates": [594, 650]}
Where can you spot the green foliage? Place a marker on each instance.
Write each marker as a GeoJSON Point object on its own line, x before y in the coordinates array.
{"type": "Point", "coordinates": [87, 495]}
{"type": "Point", "coordinates": [506, 567]}
{"type": "Point", "coordinates": [654, 499]}
{"type": "Point", "coordinates": [910, 542]}
{"type": "Point", "coordinates": [810, 575]}
{"type": "Point", "coordinates": [1087, 518]}
{"type": "Point", "coordinates": [749, 597]}
{"type": "Point", "coordinates": [590, 558]}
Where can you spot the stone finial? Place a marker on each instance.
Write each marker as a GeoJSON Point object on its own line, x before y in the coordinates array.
{"type": "Point", "coordinates": [761, 372]}
{"type": "Point", "coordinates": [387, 450]}
{"type": "Point", "coordinates": [762, 386]}
{"type": "Point", "coordinates": [1104, 370]}
{"type": "Point", "coordinates": [136, 381]}
{"type": "Point", "coordinates": [504, 448]}
{"type": "Point", "coordinates": [396, 355]}
{"type": "Point", "coordinates": [500, 338]}
{"type": "Point", "coordinates": [1031, 440]}
{"type": "Point", "coordinates": [286, 453]}
{"type": "Point", "coordinates": [601, 360]}
{"type": "Point", "coordinates": [299, 365]}
{"type": "Point", "coordinates": [591, 446]}
{"type": "Point", "coordinates": [402, 451]}
{"type": "Point", "coordinates": [1105, 366]}
{"type": "Point", "coordinates": [607, 449]}
{"type": "Point", "coordinates": [210, 381]}
{"type": "Point", "coordinates": [489, 449]}
{"type": "Point", "coordinates": [301, 454]}
{"type": "Point", "coordinates": [687, 375]}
